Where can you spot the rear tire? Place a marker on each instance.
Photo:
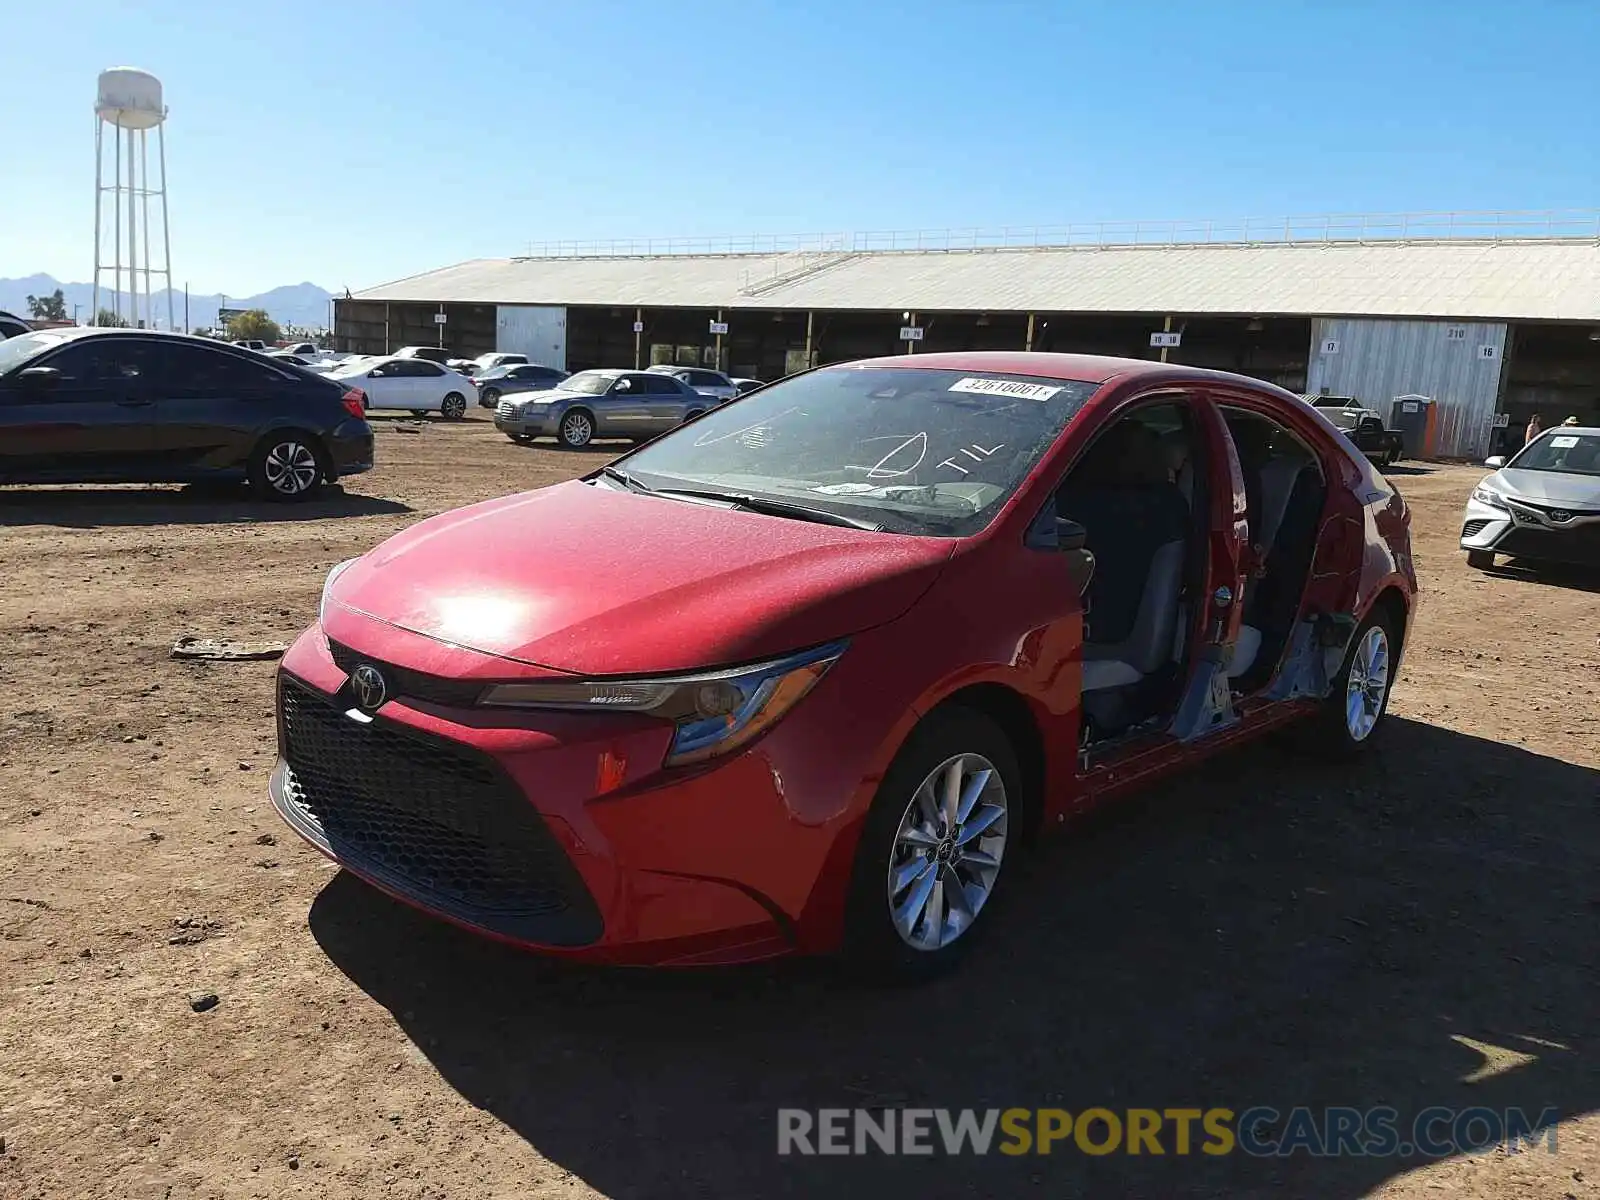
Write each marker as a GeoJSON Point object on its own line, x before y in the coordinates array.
{"type": "Point", "coordinates": [1481, 560]}
{"type": "Point", "coordinates": [1352, 715]}
{"type": "Point", "coordinates": [419, 412]}
{"type": "Point", "coordinates": [911, 851]}
{"type": "Point", "coordinates": [286, 467]}
{"type": "Point", "coordinates": [454, 407]}
{"type": "Point", "coordinates": [490, 397]}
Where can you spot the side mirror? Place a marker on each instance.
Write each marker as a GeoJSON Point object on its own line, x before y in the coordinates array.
{"type": "Point", "coordinates": [622, 385]}
{"type": "Point", "coordinates": [1071, 540]}
{"type": "Point", "coordinates": [39, 379]}
{"type": "Point", "coordinates": [375, 373]}
{"type": "Point", "coordinates": [1070, 535]}
{"type": "Point", "coordinates": [1495, 461]}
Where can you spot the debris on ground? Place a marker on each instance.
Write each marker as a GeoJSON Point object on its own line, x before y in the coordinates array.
{"type": "Point", "coordinates": [203, 1001]}
{"type": "Point", "coordinates": [220, 650]}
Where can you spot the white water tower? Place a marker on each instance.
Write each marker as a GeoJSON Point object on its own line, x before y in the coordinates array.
{"type": "Point", "coordinates": [129, 101]}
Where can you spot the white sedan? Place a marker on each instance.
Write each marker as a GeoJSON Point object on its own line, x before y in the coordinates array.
{"type": "Point", "coordinates": [412, 384]}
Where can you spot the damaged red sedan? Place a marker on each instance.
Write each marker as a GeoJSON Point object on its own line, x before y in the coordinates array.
{"type": "Point", "coordinates": [805, 674]}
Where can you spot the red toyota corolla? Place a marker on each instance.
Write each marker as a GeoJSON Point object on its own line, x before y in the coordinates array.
{"type": "Point", "coordinates": [805, 674]}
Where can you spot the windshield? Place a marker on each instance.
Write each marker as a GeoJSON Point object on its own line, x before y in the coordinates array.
{"type": "Point", "coordinates": [931, 452]}
{"type": "Point", "coordinates": [17, 350]}
{"type": "Point", "coordinates": [352, 368]}
{"type": "Point", "coordinates": [590, 383]}
{"type": "Point", "coordinates": [1569, 453]}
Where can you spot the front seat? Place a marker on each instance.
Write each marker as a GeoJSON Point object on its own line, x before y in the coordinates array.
{"type": "Point", "coordinates": [1138, 528]}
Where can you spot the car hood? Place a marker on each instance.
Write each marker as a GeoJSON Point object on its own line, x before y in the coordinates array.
{"type": "Point", "coordinates": [595, 581]}
{"type": "Point", "coordinates": [1548, 487]}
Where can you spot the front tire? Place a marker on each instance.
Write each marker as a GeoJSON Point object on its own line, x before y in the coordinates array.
{"type": "Point", "coordinates": [1352, 715]}
{"type": "Point", "coordinates": [933, 848]}
{"type": "Point", "coordinates": [454, 407]}
{"type": "Point", "coordinates": [576, 430]}
{"type": "Point", "coordinates": [1481, 560]}
{"type": "Point", "coordinates": [285, 467]}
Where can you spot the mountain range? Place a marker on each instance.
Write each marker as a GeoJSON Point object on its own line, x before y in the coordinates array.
{"type": "Point", "coordinates": [302, 304]}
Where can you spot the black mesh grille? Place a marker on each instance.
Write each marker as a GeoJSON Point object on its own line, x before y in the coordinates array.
{"type": "Point", "coordinates": [1473, 527]}
{"type": "Point", "coordinates": [429, 818]}
{"type": "Point", "coordinates": [414, 685]}
{"type": "Point", "coordinates": [1580, 545]}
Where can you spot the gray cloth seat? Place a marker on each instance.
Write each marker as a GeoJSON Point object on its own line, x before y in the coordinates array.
{"type": "Point", "coordinates": [1138, 525]}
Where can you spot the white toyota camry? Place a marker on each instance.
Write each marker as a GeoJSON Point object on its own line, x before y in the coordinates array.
{"type": "Point", "coordinates": [1542, 506]}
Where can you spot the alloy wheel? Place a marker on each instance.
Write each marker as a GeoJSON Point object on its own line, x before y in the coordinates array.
{"type": "Point", "coordinates": [290, 468]}
{"type": "Point", "coordinates": [947, 852]}
{"type": "Point", "coordinates": [576, 429]}
{"type": "Point", "coordinates": [453, 407]}
{"type": "Point", "coordinates": [1368, 684]}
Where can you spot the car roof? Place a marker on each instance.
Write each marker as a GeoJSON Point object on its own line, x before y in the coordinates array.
{"type": "Point", "coordinates": [1077, 368]}
{"type": "Point", "coordinates": [1590, 430]}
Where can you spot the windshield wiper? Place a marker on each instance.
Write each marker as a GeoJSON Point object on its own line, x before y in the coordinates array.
{"type": "Point", "coordinates": [626, 480]}
{"type": "Point", "coordinates": [774, 508]}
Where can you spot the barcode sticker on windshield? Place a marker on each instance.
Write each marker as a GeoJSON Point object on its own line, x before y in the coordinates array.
{"type": "Point", "coordinates": [1004, 387]}
{"type": "Point", "coordinates": [1563, 441]}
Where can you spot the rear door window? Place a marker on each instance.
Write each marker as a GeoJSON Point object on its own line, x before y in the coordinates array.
{"type": "Point", "coordinates": [193, 372]}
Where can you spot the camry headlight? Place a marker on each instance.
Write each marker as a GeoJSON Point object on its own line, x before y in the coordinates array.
{"type": "Point", "coordinates": [715, 712]}
{"type": "Point", "coordinates": [1484, 494]}
{"type": "Point", "coordinates": [327, 588]}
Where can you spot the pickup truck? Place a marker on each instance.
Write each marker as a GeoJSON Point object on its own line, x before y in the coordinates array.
{"type": "Point", "coordinates": [1363, 426]}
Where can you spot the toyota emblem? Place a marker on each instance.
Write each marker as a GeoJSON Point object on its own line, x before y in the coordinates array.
{"type": "Point", "coordinates": [369, 687]}
{"type": "Point", "coordinates": [1560, 514]}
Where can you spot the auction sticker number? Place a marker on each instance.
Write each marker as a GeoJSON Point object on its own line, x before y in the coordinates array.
{"type": "Point", "coordinates": [1012, 388]}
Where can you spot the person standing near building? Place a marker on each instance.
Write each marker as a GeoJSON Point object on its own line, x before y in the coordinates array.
{"type": "Point", "coordinates": [1535, 428]}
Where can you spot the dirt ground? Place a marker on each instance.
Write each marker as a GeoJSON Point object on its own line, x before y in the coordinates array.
{"type": "Point", "coordinates": [1262, 933]}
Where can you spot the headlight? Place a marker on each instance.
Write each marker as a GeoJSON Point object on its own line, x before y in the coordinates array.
{"type": "Point", "coordinates": [327, 588]}
{"type": "Point", "coordinates": [715, 712]}
{"type": "Point", "coordinates": [1484, 494]}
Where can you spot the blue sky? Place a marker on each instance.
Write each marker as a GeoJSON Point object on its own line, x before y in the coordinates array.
{"type": "Point", "coordinates": [352, 141]}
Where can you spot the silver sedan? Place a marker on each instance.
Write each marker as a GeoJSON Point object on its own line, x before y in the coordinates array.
{"type": "Point", "coordinates": [594, 404]}
{"type": "Point", "coordinates": [1542, 506]}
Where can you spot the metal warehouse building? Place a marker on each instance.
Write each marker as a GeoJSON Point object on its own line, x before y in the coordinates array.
{"type": "Point", "coordinates": [1490, 316]}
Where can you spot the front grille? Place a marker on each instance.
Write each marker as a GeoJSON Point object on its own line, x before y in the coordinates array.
{"type": "Point", "coordinates": [1570, 510]}
{"type": "Point", "coordinates": [1473, 527]}
{"type": "Point", "coordinates": [430, 819]}
{"type": "Point", "coordinates": [1580, 545]}
{"type": "Point", "coordinates": [412, 685]}
{"type": "Point", "coordinates": [506, 408]}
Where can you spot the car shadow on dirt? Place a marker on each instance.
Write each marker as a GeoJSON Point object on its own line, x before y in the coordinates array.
{"type": "Point", "coordinates": [122, 507]}
{"type": "Point", "coordinates": [1259, 933]}
{"type": "Point", "coordinates": [1561, 575]}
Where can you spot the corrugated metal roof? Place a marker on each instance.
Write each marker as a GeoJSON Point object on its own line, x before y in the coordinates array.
{"type": "Point", "coordinates": [1504, 280]}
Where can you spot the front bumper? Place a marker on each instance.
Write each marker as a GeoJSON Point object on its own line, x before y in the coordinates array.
{"type": "Point", "coordinates": [1523, 530]}
{"type": "Point", "coordinates": [538, 421]}
{"type": "Point", "coordinates": [562, 833]}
